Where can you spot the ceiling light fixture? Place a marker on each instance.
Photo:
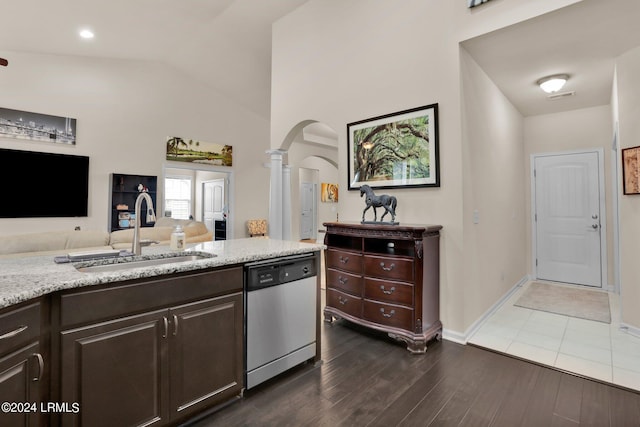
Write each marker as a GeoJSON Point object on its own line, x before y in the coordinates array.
{"type": "Point", "coordinates": [86, 34]}
{"type": "Point", "coordinates": [551, 84]}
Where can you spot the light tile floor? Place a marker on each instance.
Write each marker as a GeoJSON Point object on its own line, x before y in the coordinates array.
{"type": "Point", "coordinates": [589, 348]}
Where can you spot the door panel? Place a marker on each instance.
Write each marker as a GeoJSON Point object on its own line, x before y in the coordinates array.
{"type": "Point", "coordinates": [567, 218]}
{"type": "Point", "coordinates": [116, 371]}
{"type": "Point", "coordinates": [306, 200]}
{"type": "Point", "coordinates": [212, 202]}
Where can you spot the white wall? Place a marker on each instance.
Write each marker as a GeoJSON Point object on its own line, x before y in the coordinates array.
{"type": "Point", "coordinates": [338, 62]}
{"type": "Point", "coordinates": [125, 110]}
{"type": "Point", "coordinates": [494, 191]}
{"type": "Point", "coordinates": [628, 93]}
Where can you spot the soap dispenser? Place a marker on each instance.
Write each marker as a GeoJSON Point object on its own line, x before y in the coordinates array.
{"type": "Point", "coordinates": [177, 239]}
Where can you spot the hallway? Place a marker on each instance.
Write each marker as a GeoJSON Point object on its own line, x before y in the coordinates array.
{"type": "Point", "coordinates": [588, 348]}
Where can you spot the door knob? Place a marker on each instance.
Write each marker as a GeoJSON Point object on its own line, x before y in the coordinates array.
{"type": "Point", "coordinates": [595, 226]}
{"type": "Point", "coordinates": [594, 216]}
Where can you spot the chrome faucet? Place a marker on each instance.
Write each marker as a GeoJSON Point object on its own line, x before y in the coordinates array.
{"type": "Point", "coordinates": [151, 217]}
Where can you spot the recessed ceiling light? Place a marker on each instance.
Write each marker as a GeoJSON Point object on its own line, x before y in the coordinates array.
{"type": "Point", "coordinates": [86, 34]}
{"type": "Point", "coordinates": [551, 84]}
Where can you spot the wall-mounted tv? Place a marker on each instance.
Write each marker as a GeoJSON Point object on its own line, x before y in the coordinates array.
{"type": "Point", "coordinates": [43, 185]}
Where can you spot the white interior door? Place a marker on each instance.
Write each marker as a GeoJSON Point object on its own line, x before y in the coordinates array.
{"type": "Point", "coordinates": [212, 202]}
{"type": "Point", "coordinates": [307, 214]}
{"type": "Point", "coordinates": [567, 218]}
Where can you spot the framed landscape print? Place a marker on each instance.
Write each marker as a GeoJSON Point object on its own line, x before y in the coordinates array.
{"type": "Point", "coordinates": [193, 151]}
{"type": "Point", "coordinates": [395, 150]}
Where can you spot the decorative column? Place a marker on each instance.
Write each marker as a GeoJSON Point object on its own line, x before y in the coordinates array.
{"type": "Point", "coordinates": [286, 202]}
{"type": "Point", "coordinates": [275, 196]}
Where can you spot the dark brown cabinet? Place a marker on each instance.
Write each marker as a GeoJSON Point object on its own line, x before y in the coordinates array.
{"type": "Point", "coordinates": [23, 374]}
{"type": "Point", "coordinates": [114, 370]}
{"type": "Point", "coordinates": [152, 352]}
{"type": "Point", "coordinates": [385, 277]}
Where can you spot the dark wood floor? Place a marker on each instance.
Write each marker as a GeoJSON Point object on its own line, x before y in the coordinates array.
{"type": "Point", "coordinates": [367, 379]}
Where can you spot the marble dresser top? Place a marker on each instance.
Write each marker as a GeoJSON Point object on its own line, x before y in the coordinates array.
{"type": "Point", "coordinates": [22, 279]}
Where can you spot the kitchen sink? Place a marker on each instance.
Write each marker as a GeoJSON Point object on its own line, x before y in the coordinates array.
{"type": "Point", "coordinates": [120, 264]}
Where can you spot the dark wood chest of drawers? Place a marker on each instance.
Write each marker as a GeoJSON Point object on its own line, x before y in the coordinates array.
{"type": "Point", "coordinates": [385, 277]}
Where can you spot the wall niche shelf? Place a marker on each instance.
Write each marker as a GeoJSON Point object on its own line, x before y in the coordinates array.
{"type": "Point", "coordinates": [124, 192]}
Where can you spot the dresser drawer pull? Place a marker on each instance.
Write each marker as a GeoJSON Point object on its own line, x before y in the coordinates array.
{"type": "Point", "coordinates": [38, 357]}
{"type": "Point", "coordinates": [391, 267]}
{"type": "Point", "coordinates": [344, 260]}
{"type": "Point", "coordinates": [15, 332]}
{"type": "Point", "coordinates": [343, 280]}
{"type": "Point", "coordinates": [342, 301]}
{"type": "Point", "coordinates": [391, 313]}
{"type": "Point", "coordinates": [389, 292]}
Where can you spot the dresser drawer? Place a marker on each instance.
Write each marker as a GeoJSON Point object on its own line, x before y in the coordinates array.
{"type": "Point", "coordinates": [388, 315]}
{"type": "Point", "coordinates": [389, 267]}
{"type": "Point", "coordinates": [19, 326]}
{"type": "Point", "coordinates": [343, 260]}
{"type": "Point", "coordinates": [344, 302]}
{"type": "Point", "coordinates": [388, 291]}
{"type": "Point", "coordinates": [343, 281]}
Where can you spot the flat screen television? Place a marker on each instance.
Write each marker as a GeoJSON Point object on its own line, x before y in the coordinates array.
{"type": "Point", "coordinates": [43, 185]}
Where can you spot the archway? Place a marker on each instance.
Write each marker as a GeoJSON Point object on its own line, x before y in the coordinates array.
{"type": "Point", "coordinates": [309, 146]}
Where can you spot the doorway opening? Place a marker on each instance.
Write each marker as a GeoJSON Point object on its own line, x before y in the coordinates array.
{"type": "Point", "coordinates": [210, 198]}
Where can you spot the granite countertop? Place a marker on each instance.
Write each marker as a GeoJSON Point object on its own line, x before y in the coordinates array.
{"type": "Point", "coordinates": [22, 279]}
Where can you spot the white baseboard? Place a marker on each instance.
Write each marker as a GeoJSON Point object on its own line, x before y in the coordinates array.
{"type": "Point", "coordinates": [463, 337]}
{"type": "Point", "coordinates": [631, 330]}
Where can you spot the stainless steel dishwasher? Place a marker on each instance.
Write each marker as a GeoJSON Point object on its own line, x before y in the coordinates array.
{"type": "Point", "coordinates": [280, 315]}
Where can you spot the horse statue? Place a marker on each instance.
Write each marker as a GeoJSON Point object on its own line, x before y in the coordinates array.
{"type": "Point", "coordinates": [389, 203]}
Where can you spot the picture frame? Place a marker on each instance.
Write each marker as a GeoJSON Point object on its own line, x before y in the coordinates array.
{"type": "Point", "coordinates": [27, 125]}
{"type": "Point", "coordinates": [397, 150]}
{"type": "Point", "coordinates": [631, 170]}
{"type": "Point", "coordinates": [329, 192]}
{"type": "Point", "coordinates": [193, 151]}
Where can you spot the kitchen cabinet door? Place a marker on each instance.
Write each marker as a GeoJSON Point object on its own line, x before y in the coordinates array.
{"type": "Point", "coordinates": [20, 384]}
{"type": "Point", "coordinates": [117, 371]}
{"type": "Point", "coordinates": [206, 353]}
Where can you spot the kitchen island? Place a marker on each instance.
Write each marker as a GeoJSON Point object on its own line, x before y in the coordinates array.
{"type": "Point", "coordinates": [153, 345]}
{"type": "Point", "coordinates": [22, 279]}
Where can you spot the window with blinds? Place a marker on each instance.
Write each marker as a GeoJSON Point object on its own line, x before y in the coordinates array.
{"type": "Point", "coordinates": [177, 197]}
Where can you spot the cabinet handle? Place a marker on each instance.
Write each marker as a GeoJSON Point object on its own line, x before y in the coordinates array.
{"type": "Point", "coordinates": [391, 267]}
{"type": "Point", "coordinates": [344, 260]}
{"type": "Point", "coordinates": [391, 313]}
{"type": "Point", "coordinates": [15, 332]}
{"type": "Point", "coordinates": [342, 301]}
{"type": "Point", "coordinates": [175, 325]}
{"type": "Point", "coordinates": [343, 280]}
{"type": "Point", "coordinates": [166, 327]}
{"type": "Point", "coordinates": [389, 292]}
{"type": "Point", "coordinates": [38, 357]}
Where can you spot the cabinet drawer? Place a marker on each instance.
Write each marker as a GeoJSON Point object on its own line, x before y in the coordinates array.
{"type": "Point", "coordinates": [19, 326]}
{"type": "Point", "coordinates": [389, 267]}
{"type": "Point", "coordinates": [388, 291]}
{"type": "Point", "coordinates": [342, 260]}
{"type": "Point", "coordinates": [388, 314]}
{"type": "Point", "coordinates": [344, 302]}
{"type": "Point", "coordinates": [343, 281]}
{"type": "Point", "coordinates": [79, 307]}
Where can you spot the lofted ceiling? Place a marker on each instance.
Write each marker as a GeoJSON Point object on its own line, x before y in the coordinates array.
{"type": "Point", "coordinates": [227, 43]}
{"type": "Point", "coordinates": [581, 40]}
{"type": "Point", "coordinates": [223, 43]}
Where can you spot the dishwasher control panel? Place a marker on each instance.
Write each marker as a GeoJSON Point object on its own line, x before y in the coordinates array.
{"type": "Point", "coordinates": [283, 270]}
